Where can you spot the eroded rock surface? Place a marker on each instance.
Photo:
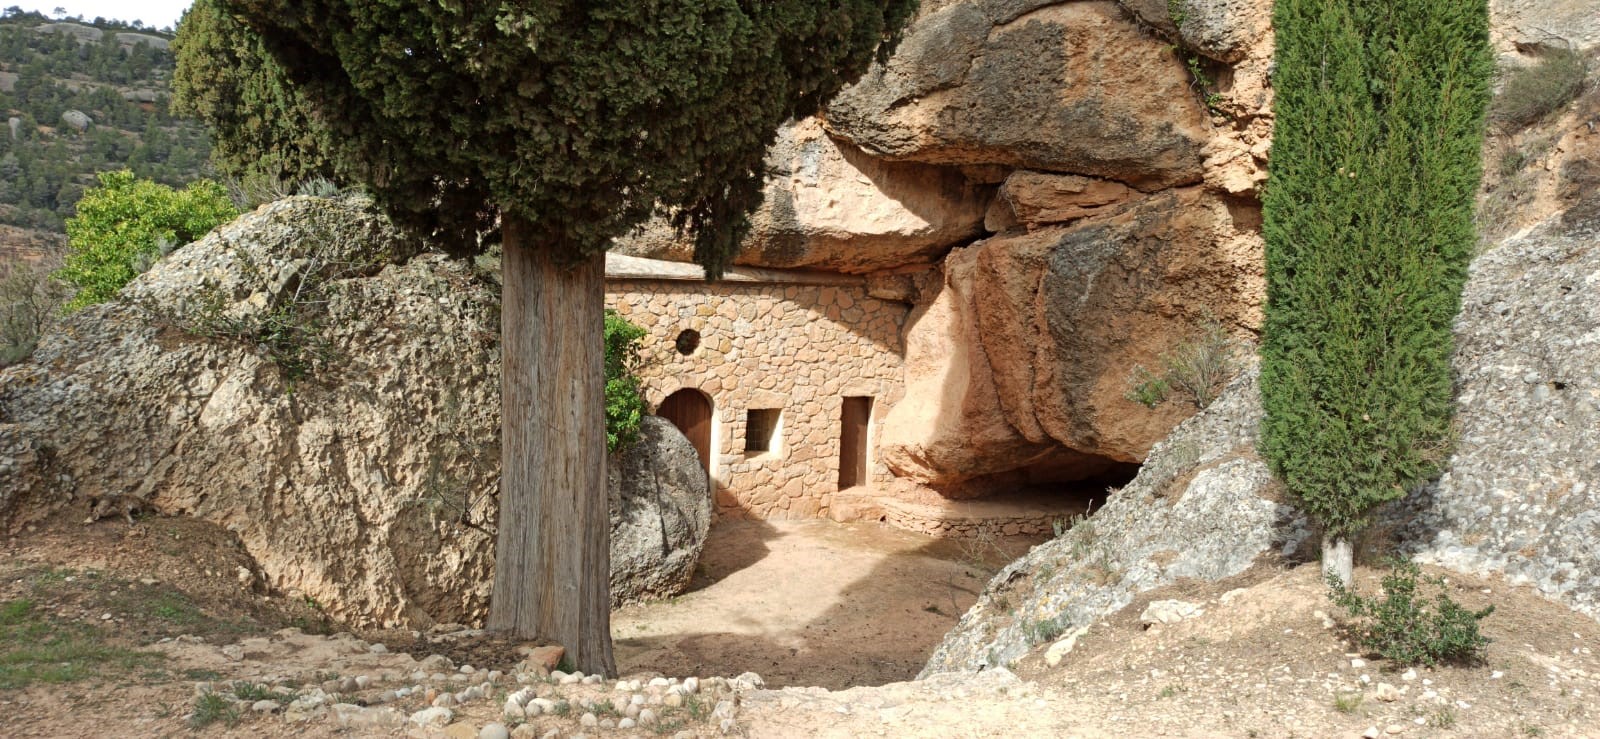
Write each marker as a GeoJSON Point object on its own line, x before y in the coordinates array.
{"type": "Point", "coordinates": [1023, 357]}
{"type": "Point", "coordinates": [830, 206]}
{"type": "Point", "coordinates": [367, 480]}
{"type": "Point", "coordinates": [660, 513]}
{"type": "Point", "coordinates": [1074, 87]}
{"type": "Point", "coordinates": [1521, 495]}
{"type": "Point", "coordinates": [1203, 506]}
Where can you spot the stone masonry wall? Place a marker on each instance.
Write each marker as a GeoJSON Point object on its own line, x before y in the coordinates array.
{"type": "Point", "coordinates": [799, 347]}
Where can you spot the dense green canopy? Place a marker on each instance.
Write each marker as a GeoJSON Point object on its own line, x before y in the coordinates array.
{"type": "Point", "coordinates": [581, 117]}
{"type": "Point", "coordinates": [263, 127]}
{"type": "Point", "coordinates": [1368, 223]}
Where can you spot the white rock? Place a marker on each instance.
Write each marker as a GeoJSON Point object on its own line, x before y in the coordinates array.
{"type": "Point", "coordinates": [691, 685]}
{"type": "Point", "coordinates": [265, 706]}
{"type": "Point", "coordinates": [1371, 733]}
{"type": "Point", "coordinates": [494, 731]}
{"type": "Point", "coordinates": [513, 711]}
{"type": "Point", "coordinates": [647, 717]}
{"type": "Point", "coordinates": [1386, 693]}
{"type": "Point", "coordinates": [437, 716]}
{"type": "Point", "coordinates": [1408, 675]}
{"type": "Point", "coordinates": [588, 721]}
{"type": "Point", "coordinates": [378, 649]}
{"type": "Point", "coordinates": [445, 700]}
{"type": "Point", "coordinates": [1061, 648]}
{"type": "Point", "coordinates": [626, 723]}
{"type": "Point", "coordinates": [1357, 663]}
{"type": "Point", "coordinates": [1169, 612]}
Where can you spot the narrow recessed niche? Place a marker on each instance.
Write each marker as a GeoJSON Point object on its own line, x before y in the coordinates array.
{"type": "Point", "coordinates": [761, 430]}
{"type": "Point", "coordinates": [688, 340]}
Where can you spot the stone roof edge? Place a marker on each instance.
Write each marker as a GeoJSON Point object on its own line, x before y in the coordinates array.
{"type": "Point", "coordinates": [623, 267]}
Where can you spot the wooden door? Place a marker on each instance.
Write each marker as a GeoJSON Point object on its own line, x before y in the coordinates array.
{"type": "Point", "coordinates": [853, 442]}
{"type": "Point", "coordinates": [690, 411]}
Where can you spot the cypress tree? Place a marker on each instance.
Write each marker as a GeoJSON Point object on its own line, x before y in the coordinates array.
{"type": "Point", "coordinates": [562, 124]}
{"type": "Point", "coordinates": [1368, 224]}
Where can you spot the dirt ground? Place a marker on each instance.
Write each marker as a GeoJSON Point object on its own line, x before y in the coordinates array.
{"type": "Point", "coordinates": [812, 603]}
{"type": "Point", "coordinates": [106, 630]}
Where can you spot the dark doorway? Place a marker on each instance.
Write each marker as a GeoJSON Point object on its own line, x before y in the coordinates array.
{"type": "Point", "coordinates": [690, 411]}
{"type": "Point", "coordinates": [853, 442]}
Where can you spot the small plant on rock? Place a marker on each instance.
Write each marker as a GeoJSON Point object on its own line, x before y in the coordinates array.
{"type": "Point", "coordinates": [1530, 93]}
{"type": "Point", "coordinates": [1404, 627]}
{"type": "Point", "coordinates": [212, 708]}
{"type": "Point", "coordinates": [1197, 369]}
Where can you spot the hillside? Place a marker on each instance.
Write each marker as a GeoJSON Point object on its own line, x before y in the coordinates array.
{"type": "Point", "coordinates": [79, 98]}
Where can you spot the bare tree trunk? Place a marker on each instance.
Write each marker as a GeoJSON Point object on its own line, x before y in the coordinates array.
{"type": "Point", "coordinates": [1338, 559]}
{"type": "Point", "coordinates": [552, 559]}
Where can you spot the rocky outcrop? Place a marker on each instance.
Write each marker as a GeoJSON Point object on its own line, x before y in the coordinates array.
{"type": "Point", "coordinates": [1071, 87]}
{"type": "Point", "coordinates": [1022, 358]}
{"type": "Point", "coordinates": [1223, 30]}
{"type": "Point", "coordinates": [1521, 495]}
{"type": "Point", "coordinates": [660, 513]}
{"type": "Point", "coordinates": [1531, 25]}
{"type": "Point", "coordinates": [1204, 506]}
{"type": "Point", "coordinates": [305, 379]}
{"type": "Point", "coordinates": [830, 206]}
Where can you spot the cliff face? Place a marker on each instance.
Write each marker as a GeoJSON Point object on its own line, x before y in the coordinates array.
{"type": "Point", "coordinates": [1076, 181]}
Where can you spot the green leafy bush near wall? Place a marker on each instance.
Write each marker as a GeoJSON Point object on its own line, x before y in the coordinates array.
{"type": "Point", "coordinates": [1369, 231]}
{"type": "Point", "coordinates": [1405, 627]}
{"type": "Point", "coordinates": [126, 223]}
{"type": "Point", "coordinates": [624, 404]}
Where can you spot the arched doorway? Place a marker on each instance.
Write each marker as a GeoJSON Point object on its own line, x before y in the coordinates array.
{"type": "Point", "coordinates": [690, 411]}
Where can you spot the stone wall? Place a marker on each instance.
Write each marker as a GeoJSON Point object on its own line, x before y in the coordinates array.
{"type": "Point", "coordinates": [801, 348]}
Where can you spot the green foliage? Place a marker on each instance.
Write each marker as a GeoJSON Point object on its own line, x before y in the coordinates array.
{"type": "Point", "coordinates": [1403, 627]}
{"type": "Point", "coordinates": [578, 118]}
{"type": "Point", "coordinates": [37, 649]}
{"type": "Point", "coordinates": [211, 709]}
{"type": "Point", "coordinates": [1530, 93]}
{"type": "Point", "coordinates": [1197, 369]}
{"type": "Point", "coordinates": [624, 405]}
{"type": "Point", "coordinates": [126, 223]}
{"type": "Point", "coordinates": [29, 301]}
{"type": "Point", "coordinates": [266, 133]}
{"type": "Point", "coordinates": [1369, 230]}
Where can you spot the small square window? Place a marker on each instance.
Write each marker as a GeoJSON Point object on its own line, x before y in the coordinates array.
{"type": "Point", "coordinates": [761, 430]}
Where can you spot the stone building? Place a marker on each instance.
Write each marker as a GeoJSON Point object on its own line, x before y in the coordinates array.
{"type": "Point", "coordinates": [778, 377]}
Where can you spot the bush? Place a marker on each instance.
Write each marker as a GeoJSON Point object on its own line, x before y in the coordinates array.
{"type": "Point", "coordinates": [125, 224]}
{"type": "Point", "coordinates": [1533, 92]}
{"type": "Point", "coordinates": [1197, 368]}
{"type": "Point", "coordinates": [1403, 627]}
{"type": "Point", "coordinates": [624, 405]}
{"type": "Point", "coordinates": [29, 299]}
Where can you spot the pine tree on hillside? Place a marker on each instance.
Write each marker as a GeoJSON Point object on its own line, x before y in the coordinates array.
{"type": "Point", "coordinates": [1368, 222]}
{"type": "Point", "coordinates": [565, 123]}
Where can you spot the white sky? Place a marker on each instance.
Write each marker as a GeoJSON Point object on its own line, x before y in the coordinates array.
{"type": "Point", "coordinates": [158, 13]}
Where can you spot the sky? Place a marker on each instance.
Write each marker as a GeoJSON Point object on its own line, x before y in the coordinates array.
{"type": "Point", "coordinates": [158, 13]}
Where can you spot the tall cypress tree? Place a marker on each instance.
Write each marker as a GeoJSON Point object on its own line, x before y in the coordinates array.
{"type": "Point", "coordinates": [562, 124]}
{"type": "Point", "coordinates": [1368, 223]}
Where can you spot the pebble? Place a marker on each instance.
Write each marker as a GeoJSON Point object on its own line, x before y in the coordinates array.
{"type": "Point", "coordinates": [1357, 664]}
{"type": "Point", "coordinates": [647, 717]}
{"type": "Point", "coordinates": [265, 706]}
{"type": "Point", "coordinates": [494, 731]}
{"type": "Point", "coordinates": [673, 700]}
{"type": "Point", "coordinates": [378, 649]}
{"type": "Point", "coordinates": [1370, 733]}
{"type": "Point", "coordinates": [514, 711]}
{"type": "Point", "coordinates": [1394, 729]}
{"type": "Point", "coordinates": [626, 723]}
{"type": "Point", "coordinates": [570, 680]}
{"type": "Point", "coordinates": [1387, 693]}
{"type": "Point", "coordinates": [466, 670]}
{"type": "Point", "coordinates": [589, 721]}
{"type": "Point", "coordinates": [659, 682]}
{"type": "Point", "coordinates": [691, 685]}
{"type": "Point", "coordinates": [445, 700]}
{"type": "Point", "coordinates": [363, 682]}
{"type": "Point", "coordinates": [349, 685]}
{"type": "Point", "coordinates": [1409, 675]}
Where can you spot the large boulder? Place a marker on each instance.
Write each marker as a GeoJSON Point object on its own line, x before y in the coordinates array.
{"type": "Point", "coordinates": [1521, 494]}
{"type": "Point", "coordinates": [1072, 87]}
{"type": "Point", "coordinates": [660, 513]}
{"type": "Point", "coordinates": [306, 379]}
{"type": "Point", "coordinates": [1022, 358]}
{"type": "Point", "coordinates": [1203, 507]}
{"type": "Point", "coordinates": [830, 206]}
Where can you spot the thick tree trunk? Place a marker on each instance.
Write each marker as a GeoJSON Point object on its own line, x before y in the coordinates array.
{"type": "Point", "coordinates": [552, 559]}
{"type": "Point", "coordinates": [1338, 559]}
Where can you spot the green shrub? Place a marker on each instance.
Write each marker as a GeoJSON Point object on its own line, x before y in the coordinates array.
{"type": "Point", "coordinates": [1198, 369]}
{"type": "Point", "coordinates": [125, 224]}
{"type": "Point", "coordinates": [1368, 221]}
{"type": "Point", "coordinates": [1403, 626]}
{"type": "Point", "coordinates": [1530, 93]}
{"type": "Point", "coordinates": [624, 405]}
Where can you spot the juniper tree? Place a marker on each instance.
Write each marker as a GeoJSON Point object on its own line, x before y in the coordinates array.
{"type": "Point", "coordinates": [1368, 224]}
{"type": "Point", "coordinates": [562, 124]}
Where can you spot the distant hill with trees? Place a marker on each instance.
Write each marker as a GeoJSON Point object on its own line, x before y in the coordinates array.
{"type": "Point", "coordinates": [79, 97]}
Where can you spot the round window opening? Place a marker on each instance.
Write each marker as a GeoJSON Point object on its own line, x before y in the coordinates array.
{"type": "Point", "coordinates": [688, 341]}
